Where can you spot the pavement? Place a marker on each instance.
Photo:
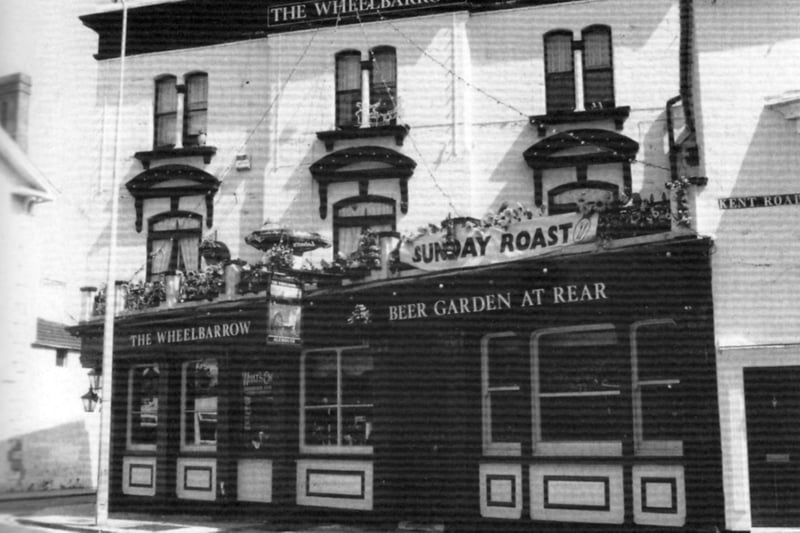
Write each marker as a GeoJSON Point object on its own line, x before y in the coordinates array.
{"type": "Point", "coordinates": [80, 517]}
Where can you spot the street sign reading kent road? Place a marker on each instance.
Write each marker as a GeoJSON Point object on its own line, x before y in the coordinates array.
{"type": "Point", "coordinates": [772, 200]}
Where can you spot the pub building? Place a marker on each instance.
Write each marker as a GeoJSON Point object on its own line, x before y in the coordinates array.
{"type": "Point", "coordinates": [549, 368]}
{"type": "Point", "coordinates": [572, 387]}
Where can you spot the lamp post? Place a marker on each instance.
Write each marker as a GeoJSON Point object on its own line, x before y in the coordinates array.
{"type": "Point", "coordinates": [101, 509]}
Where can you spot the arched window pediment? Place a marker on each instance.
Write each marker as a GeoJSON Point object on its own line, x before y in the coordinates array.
{"type": "Point", "coordinates": [174, 182]}
{"type": "Point", "coordinates": [580, 148]}
{"type": "Point", "coordinates": [588, 146]}
{"type": "Point", "coordinates": [362, 164]}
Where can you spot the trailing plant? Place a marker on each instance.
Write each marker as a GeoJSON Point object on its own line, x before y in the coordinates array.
{"type": "Point", "coordinates": [680, 190]}
{"type": "Point", "coordinates": [142, 295]}
{"type": "Point", "coordinates": [204, 285]}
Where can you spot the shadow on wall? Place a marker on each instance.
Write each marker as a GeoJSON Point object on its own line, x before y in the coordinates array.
{"type": "Point", "coordinates": [51, 459]}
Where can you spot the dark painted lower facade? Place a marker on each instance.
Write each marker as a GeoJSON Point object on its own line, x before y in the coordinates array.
{"type": "Point", "coordinates": [569, 393]}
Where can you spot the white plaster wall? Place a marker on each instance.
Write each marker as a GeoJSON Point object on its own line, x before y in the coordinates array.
{"type": "Point", "coordinates": [747, 53]}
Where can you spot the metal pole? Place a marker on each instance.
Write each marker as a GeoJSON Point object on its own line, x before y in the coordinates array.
{"type": "Point", "coordinates": [101, 510]}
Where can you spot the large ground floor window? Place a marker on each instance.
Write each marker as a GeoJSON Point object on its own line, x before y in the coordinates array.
{"type": "Point", "coordinates": [336, 398]}
{"type": "Point", "coordinates": [578, 390]}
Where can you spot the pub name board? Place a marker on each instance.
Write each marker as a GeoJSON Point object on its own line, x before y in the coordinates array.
{"type": "Point", "coordinates": [311, 11]}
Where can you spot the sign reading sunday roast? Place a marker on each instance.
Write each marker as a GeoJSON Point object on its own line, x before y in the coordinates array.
{"type": "Point", "coordinates": [484, 246]}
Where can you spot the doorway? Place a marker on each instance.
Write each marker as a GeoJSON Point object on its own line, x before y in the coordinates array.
{"type": "Point", "coordinates": [772, 409]}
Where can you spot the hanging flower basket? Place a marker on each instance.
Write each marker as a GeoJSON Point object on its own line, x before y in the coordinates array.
{"type": "Point", "coordinates": [299, 242]}
{"type": "Point", "coordinates": [214, 251]}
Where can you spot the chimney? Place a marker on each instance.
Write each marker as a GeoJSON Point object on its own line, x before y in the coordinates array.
{"type": "Point", "coordinates": [15, 94]}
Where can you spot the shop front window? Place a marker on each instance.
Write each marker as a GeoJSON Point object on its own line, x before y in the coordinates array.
{"type": "Point", "coordinates": [504, 369]}
{"type": "Point", "coordinates": [200, 386]}
{"type": "Point", "coordinates": [142, 407]}
{"type": "Point", "coordinates": [260, 416]}
{"type": "Point", "coordinates": [657, 396]}
{"type": "Point", "coordinates": [577, 377]}
{"type": "Point", "coordinates": [337, 400]}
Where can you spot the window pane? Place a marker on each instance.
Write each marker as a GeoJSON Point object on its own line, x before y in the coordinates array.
{"type": "Point", "coordinates": [579, 380]}
{"type": "Point", "coordinates": [509, 415]}
{"type": "Point", "coordinates": [568, 365]}
{"type": "Point", "coordinates": [357, 426]}
{"type": "Point", "coordinates": [508, 361]}
{"type": "Point", "coordinates": [365, 209]}
{"type": "Point", "coordinates": [559, 72]}
{"type": "Point", "coordinates": [598, 79]}
{"type": "Point", "coordinates": [321, 427]}
{"type": "Point", "coordinates": [659, 350]}
{"type": "Point", "coordinates": [201, 379]}
{"type": "Point", "coordinates": [144, 404]}
{"type": "Point", "coordinates": [195, 109]}
{"type": "Point", "coordinates": [166, 110]}
{"type": "Point", "coordinates": [582, 418]}
{"type": "Point", "coordinates": [662, 409]}
{"type": "Point", "coordinates": [383, 86]}
{"type": "Point", "coordinates": [260, 415]}
{"type": "Point", "coordinates": [348, 87]}
{"type": "Point", "coordinates": [321, 378]}
{"type": "Point", "coordinates": [166, 95]}
{"type": "Point", "coordinates": [357, 371]}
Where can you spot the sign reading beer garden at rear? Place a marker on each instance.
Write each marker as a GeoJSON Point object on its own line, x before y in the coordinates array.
{"type": "Point", "coordinates": [471, 247]}
{"type": "Point", "coordinates": [348, 11]}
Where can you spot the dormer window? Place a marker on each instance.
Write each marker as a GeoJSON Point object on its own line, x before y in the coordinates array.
{"type": "Point", "coordinates": [180, 107]}
{"type": "Point", "coordinates": [591, 87]}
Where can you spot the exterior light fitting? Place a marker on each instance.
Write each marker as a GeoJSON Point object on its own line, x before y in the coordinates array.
{"type": "Point", "coordinates": [90, 400]}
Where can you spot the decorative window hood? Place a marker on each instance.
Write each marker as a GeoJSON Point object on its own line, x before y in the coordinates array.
{"type": "Point", "coordinates": [617, 114]}
{"type": "Point", "coordinates": [788, 105]}
{"type": "Point", "coordinates": [173, 182]}
{"type": "Point", "coordinates": [206, 152]}
{"type": "Point", "coordinates": [398, 131]}
{"type": "Point", "coordinates": [362, 164]}
{"type": "Point", "coordinates": [579, 148]}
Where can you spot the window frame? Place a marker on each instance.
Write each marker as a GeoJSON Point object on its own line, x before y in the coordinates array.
{"type": "Point", "coordinates": [152, 234]}
{"type": "Point", "coordinates": [195, 447]}
{"type": "Point", "coordinates": [551, 79]}
{"type": "Point", "coordinates": [490, 447]}
{"type": "Point", "coordinates": [344, 94]}
{"type": "Point", "coordinates": [171, 136]}
{"type": "Point", "coordinates": [565, 448]}
{"type": "Point", "coordinates": [338, 448]}
{"type": "Point", "coordinates": [599, 29]}
{"type": "Point", "coordinates": [192, 108]}
{"type": "Point", "coordinates": [129, 444]}
{"type": "Point", "coordinates": [362, 221]}
{"type": "Point", "coordinates": [380, 88]}
{"type": "Point", "coordinates": [641, 446]}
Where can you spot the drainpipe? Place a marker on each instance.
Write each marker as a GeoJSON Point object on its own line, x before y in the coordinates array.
{"type": "Point", "coordinates": [101, 509]}
{"type": "Point", "coordinates": [687, 62]}
{"type": "Point", "coordinates": [673, 149]}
